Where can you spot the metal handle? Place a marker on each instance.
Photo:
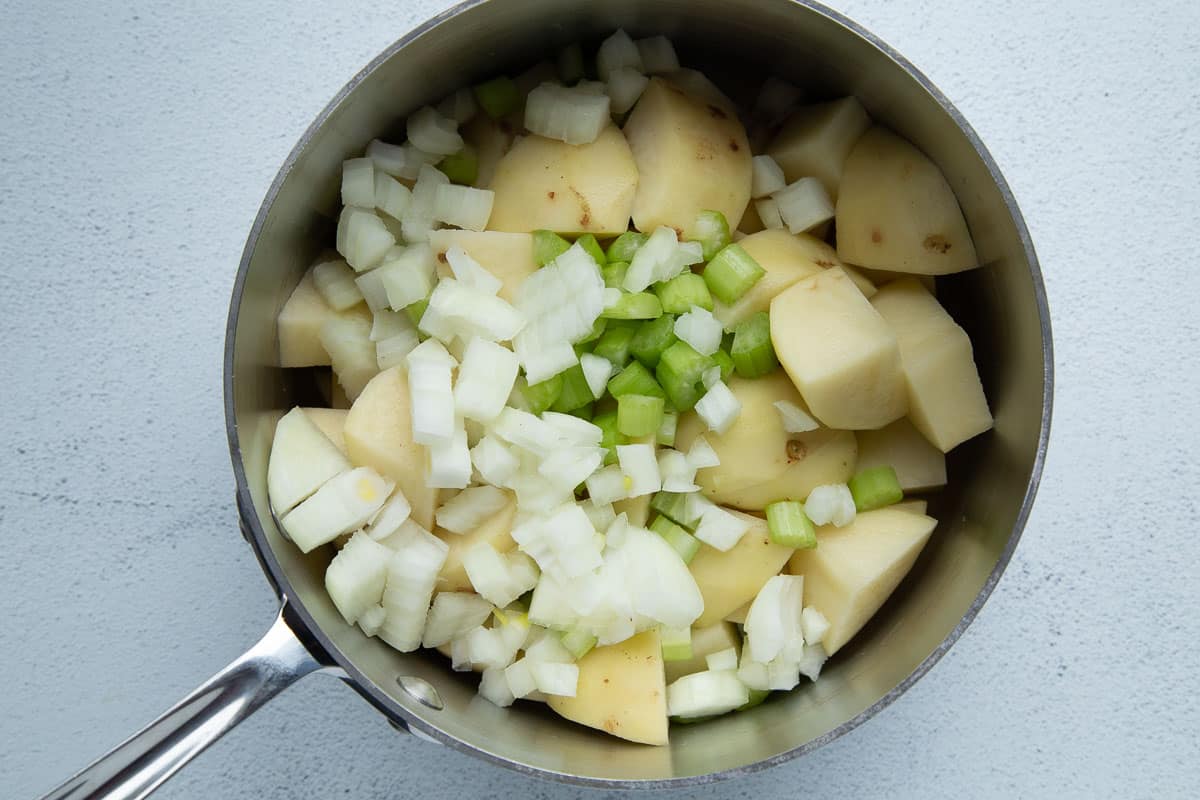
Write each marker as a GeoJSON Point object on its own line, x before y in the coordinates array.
{"type": "Point", "coordinates": [140, 764]}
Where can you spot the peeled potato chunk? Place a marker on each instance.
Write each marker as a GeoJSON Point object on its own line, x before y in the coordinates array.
{"type": "Point", "coordinates": [299, 325]}
{"type": "Point", "coordinates": [945, 397]}
{"type": "Point", "coordinates": [919, 465]}
{"type": "Point", "coordinates": [786, 258]}
{"type": "Point", "coordinates": [705, 642]}
{"type": "Point", "coordinates": [896, 211]}
{"type": "Point", "coordinates": [816, 139]}
{"type": "Point", "coordinates": [496, 531]}
{"type": "Point", "coordinates": [378, 434]}
{"type": "Point", "coordinates": [839, 352]}
{"type": "Point", "coordinates": [332, 422]}
{"type": "Point", "coordinates": [544, 183]}
{"type": "Point", "coordinates": [636, 509]}
{"type": "Point", "coordinates": [621, 691]}
{"type": "Point", "coordinates": [508, 256]}
{"type": "Point", "coordinates": [760, 461]}
{"type": "Point", "coordinates": [691, 156]}
{"type": "Point", "coordinates": [854, 569]}
{"type": "Point", "coordinates": [729, 579]}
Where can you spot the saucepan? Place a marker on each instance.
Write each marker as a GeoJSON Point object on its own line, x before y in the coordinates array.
{"type": "Point", "coordinates": [982, 512]}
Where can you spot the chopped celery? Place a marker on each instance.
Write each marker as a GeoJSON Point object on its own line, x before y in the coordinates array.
{"type": "Point", "coordinates": [875, 488]}
{"type": "Point", "coordinates": [675, 507]}
{"type": "Point", "coordinates": [676, 643]}
{"type": "Point", "coordinates": [639, 414]}
{"type": "Point", "coordinates": [592, 248]}
{"type": "Point", "coordinates": [614, 273]}
{"type": "Point", "coordinates": [575, 392]}
{"type": "Point", "coordinates": [610, 436]}
{"type": "Point", "coordinates": [598, 329]}
{"type": "Point", "coordinates": [614, 344]}
{"type": "Point", "coordinates": [540, 396]}
{"type": "Point", "coordinates": [712, 232]}
{"type": "Point", "coordinates": [731, 273]}
{"type": "Point", "coordinates": [639, 305]}
{"type": "Point", "coordinates": [624, 246]}
{"type": "Point", "coordinates": [652, 338]}
{"type": "Point", "coordinates": [680, 371]}
{"type": "Point", "coordinates": [498, 97]}
{"type": "Point", "coordinates": [547, 246]}
{"type": "Point", "coordinates": [570, 64]}
{"type": "Point", "coordinates": [577, 642]}
{"type": "Point", "coordinates": [752, 352]}
{"type": "Point", "coordinates": [461, 167]}
{"type": "Point", "coordinates": [725, 362]}
{"type": "Point", "coordinates": [634, 379]}
{"type": "Point", "coordinates": [584, 412]}
{"type": "Point", "coordinates": [685, 290]}
{"type": "Point", "coordinates": [757, 696]}
{"type": "Point", "coordinates": [416, 310]}
{"type": "Point", "coordinates": [675, 535]}
{"type": "Point", "coordinates": [789, 526]}
{"type": "Point", "coordinates": [666, 430]}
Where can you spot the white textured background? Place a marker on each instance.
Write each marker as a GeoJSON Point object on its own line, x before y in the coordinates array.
{"type": "Point", "coordinates": [136, 142]}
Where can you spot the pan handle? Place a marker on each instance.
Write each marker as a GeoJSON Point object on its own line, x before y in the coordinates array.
{"type": "Point", "coordinates": [137, 766]}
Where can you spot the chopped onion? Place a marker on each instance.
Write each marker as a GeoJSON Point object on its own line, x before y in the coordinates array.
{"type": "Point", "coordinates": [470, 508]}
{"type": "Point", "coordinates": [768, 213]}
{"type": "Point", "coordinates": [811, 661]}
{"type": "Point", "coordinates": [795, 419]}
{"type": "Point", "coordinates": [362, 238]}
{"type": "Point", "coordinates": [386, 324]}
{"type": "Point", "coordinates": [562, 542]}
{"type": "Point", "coordinates": [572, 115]}
{"type": "Point", "coordinates": [710, 376]}
{"type": "Point", "coordinates": [302, 460]}
{"type": "Point", "coordinates": [390, 517]}
{"type": "Point", "coordinates": [358, 182]}
{"type": "Point", "coordinates": [343, 504]}
{"type": "Point", "coordinates": [492, 576]}
{"type": "Point", "coordinates": [466, 311]}
{"type": "Point", "coordinates": [411, 577]}
{"type": "Point", "coordinates": [720, 529]}
{"type": "Point", "coordinates": [419, 216]}
{"type": "Point", "coordinates": [470, 271]}
{"type": "Point", "coordinates": [773, 621]}
{"type": "Point", "coordinates": [571, 466]}
{"type": "Point", "coordinates": [519, 678]}
{"type": "Point", "coordinates": [814, 625]}
{"type": "Point", "coordinates": [393, 351]}
{"type": "Point", "coordinates": [525, 431]}
{"type": "Point", "coordinates": [493, 687]}
{"type": "Point", "coordinates": [459, 106]}
{"type": "Point", "coordinates": [803, 205]}
{"type": "Point", "coordinates": [555, 679]}
{"type": "Point", "coordinates": [560, 302]}
{"type": "Point", "coordinates": [452, 615]}
{"type": "Point", "coordinates": [371, 620]}
{"type": "Point", "coordinates": [493, 461]}
{"type": "Point", "coordinates": [574, 430]}
{"type": "Point", "coordinates": [391, 196]}
{"type": "Point", "coordinates": [432, 399]}
{"type": "Point", "coordinates": [701, 454]}
{"type": "Point", "coordinates": [433, 133]}
{"type": "Point", "coordinates": [608, 485]}
{"type": "Point", "coordinates": [831, 503]}
{"type": "Point", "coordinates": [704, 694]}
{"type": "Point", "coordinates": [409, 275]}
{"type": "Point", "coordinates": [450, 461]}
{"type": "Point", "coordinates": [601, 515]}
{"type": "Point", "coordinates": [347, 340]}
{"type": "Point", "coordinates": [625, 86]}
{"type": "Point", "coordinates": [719, 408]}
{"type": "Point", "coordinates": [463, 206]}
{"type": "Point", "coordinates": [615, 52]}
{"type": "Point", "coordinates": [700, 329]}
{"type": "Point", "coordinates": [596, 371]}
{"type": "Point", "coordinates": [370, 286]}
{"type": "Point", "coordinates": [640, 467]}
{"type": "Point", "coordinates": [766, 177]}
{"type": "Point", "coordinates": [658, 55]}
{"type": "Point", "coordinates": [678, 475]}
{"type": "Point", "coordinates": [726, 659]}
{"type": "Point", "coordinates": [400, 161]}
{"type": "Point", "coordinates": [356, 576]}
{"type": "Point", "coordinates": [485, 379]}
{"type": "Point", "coordinates": [661, 258]}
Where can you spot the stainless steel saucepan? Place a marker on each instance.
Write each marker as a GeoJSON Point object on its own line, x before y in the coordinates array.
{"type": "Point", "coordinates": [993, 478]}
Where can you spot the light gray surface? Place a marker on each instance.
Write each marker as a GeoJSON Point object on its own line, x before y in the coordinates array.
{"type": "Point", "coordinates": [135, 147]}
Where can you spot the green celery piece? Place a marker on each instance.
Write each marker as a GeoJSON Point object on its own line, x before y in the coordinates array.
{"type": "Point", "coordinates": [498, 97]}
{"type": "Point", "coordinates": [624, 246]}
{"type": "Point", "coordinates": [652, 338]}
{"type": "Point", "coordinates": [592, 248]}
{"type": "Point", "coordinates": [875, 488]}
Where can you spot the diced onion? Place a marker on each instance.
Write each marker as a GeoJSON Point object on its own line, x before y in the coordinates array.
{"type": "Point", "coordinates": [466, 311]}
{"type": "Point", "coordinates": [574, 430]}
{"type": "Point", "coordinates": [371, 620]}
{"type": "Point", "coordinates": [370, 285]}
{"type": "Point", "coordinates": [661, 258]}
{"type": "Point", "coordinates": [704, 694]}
{"type": "Point", "coordinates": [830, 503]}
{"type": "Point", "coordinates": [766, 177]}
{"type": "Point", "coordinates": [555, 679]}
{"type": "Point", "coordinates": [493, 575]}
{"type": "Point", "coordinates": [343, 504]}
{"type": "Point", "coordinates": [803, 205]}
{"type": "Point", "coordinates": [391, 196]}
{"type": "Point", "coordinates": [519, 678]}
{"type": "Point", "coordinates": [658, 55]}
{"type": "Point", "coordinates": [719, 408]}
{"type": "Point", "coordinates": [400, 161]}
{"type": "Point", "coordinates": [334, 281]}
{"type": "Point", "coordinates": [432, 399]}
{"type": "Point", "coordinates": [795, 419]}
{"type": "Point", "coordinates": [720, 529]}
{"type": "Point", "coordinates": [434, 133]}
{"type": "Point", "coordinates": [678, 474]}
{"type": "Point", "coordinates": [615, 52]}
{"type": "Point", "coordinates": [409, 275]}
{"type": "Point", "coordinates": [459, 106]}
{"type": "Point", "coordinates": [493, 461]}
{"type": "Point", "coordinates": [596, 371]}
{"type": "Point", "coordinates": [356, 576]}
{"type": "Point", "coordinates": [485, 380]}
{"type": "Point", "coordinates": [470, 271]}
{"type": "Point", "coordinates": [726, 659]}
{"type": "Point", "coordinates": [419, 216]}
{"type": "Point", "coordinates": [470, 508]}
{"type": "Point", "coordinates": [450, 461]}
{"type": "Point", "coordinates": [390, 517]}
{"type": "Point", "coordinates": [525, 430]}
{"type": "Point", "coordinates": [625, 86]}
{"type": "Point", "coordinates": [463, 206]}
{"type": "Point", "coordinates": [302, 460]}
{"type": "Point", "coordinates": [452, 615]}
{"type": "Point", "coordinates": [387, 324]}
{"type": "Point", "coordinates": [362, 238]}
{"type": "Point", "coordinates": [814, 625]}
{"type": "Point", "coordinates": [640, 467]}
{"type": "Point", "coordinates": [700, 329]}
{"type": "Point", "coordinates": [608, 485]}
{"type": "Point", "coordinates": [701, 454]}
{"type": "Point", "coordinates": [560, 302]}
{"type": "Point", "coordinates": [411, 575]}
{"type": "Point", "coordinates": [811, 661]}
{"type": "Point", "coordinates": [601, 515]}
{"type": "Point", "coordinates": [572, 115]}
{"type": "Point", "coordinates": [493, 687]}
{"type": "Point", "coordinates": [768, 213]}
{"type": "Point", "coordinates": [358, 182]}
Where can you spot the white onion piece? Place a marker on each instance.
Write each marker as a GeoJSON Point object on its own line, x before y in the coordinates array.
{"type": "Point", "coordinates": [773, 621]}
{"type": "Point", "coordinates": [525, 431]}
{"type": "Point", "coordinates": [500, 579]}
{"type": "Point", "coordinates": [804, 204]}
{"type": "Point", "coordinates": [393, 351]}
{"type": "Point", "coordinates": [719, 407]}
{"type": "Point", "coordinates": [678, 475]}
{"type": "Point", "coordinates": [452, 615]}
{"type": "Point", "coordinates": [343, 504]}
{"type": "Point", "coordinates": [362, 238]}
{"type": "Point", "coordinates": [419, 216]}
{"type": "Point", "coordinates": [813, 624]}
{"type": "Point", "coordinates": [726, 659]}
{"type": "Point", "coordinates": [811, 661]}
{"type": "Point", "coordinates": [400, 161]}
{"type": "Point", "coordinates": [470, 271]}
{"type": "Point", "coordinates": [700, 329]}
{"type": "Point", "coordinates": [710, 376]}
{"type": "Point", "coordinates": [434, 133]}
{"type": "Point", "coordinates": [372, 619]}
{"type": "Point", "coordinates": [432, 399]}
{"type": "Point", "coordinates": [460, 309]}
{"type": "Point", "coordinates": [302, 460]}
{"type": "Point", "coordinates": [356, 576]}
{"type": "Point", "coordinates": [560, 302]}
{"type": "Point", "coordinates": [519, 678]}
{"type": "Point", "coordinates": [720, 529]}
{"type": "Point", "coordinates": [494, 462]}
{"type": "Point", "coordinates": [409, 275]}
{"type": "Point", "coordinates": [459, 106]}
{"type": "Point", "coordinates": [555, 679]}
{"type": "Point", "coordinates": [391, 196]}
{"type": "Point", "coordinates": [370, 285]}
{"type": "Point", "coordinates": [470, 508]}
{"type": "Point", "coordinates": [608, 485]}
{"type": "Point", "coordinates": [701, 454]}
{"type": "Point", "coordinates": [450, 461]}
{"type": "Point", "coordinates": [386, 323]}
{"type": "Point", "coordinates": [358, 182]}
{"type": "Point", "coordinates": [463, 206]}
{"type": "Point", "coordinates": [389, 519]}
{"type": "Point", "coordinates": [615, 52]}
{"type": "Point", "coordinates": [658, 55]}
{"type": "Point", "coordinates": [768, 213]}
{"type": "Point", "coordinates": [544, 362]}
{"type": "Point", "coordinates": [572, 115]}
{"type": "Point", "coordinates": [766, 177]}
{"type": "Point", "coordinates": [485, 379]}
{"type": "Point", "coordinates": [640, 466]}
{"type": "Point", "coordinates": [347, 340]}
{"type": "Point", "coordinates": [334, 281]}
{"type": "Point", "coordinates": [656, 580]}
{"type": "Point", "coordinates": [625, 86]}
{"type": "Point", "coordinates": [794, 418]}
{"type": "Point", "coordinates": [704, 694]}
{"type": "Point", "coordinates": [601, 515]}
{"type": "Point", "coordinates": [493, 687]}
{"type": "Point", "coordinates": [596, 371]}
{"type": "Point", "coordinates": [574, 430]}
{"type": "Point", "coordinates": [661, 258]}
{"type": "Point", "coordinates": [830, 503]}
{"type": "Point", "coordinates": [571, 466]}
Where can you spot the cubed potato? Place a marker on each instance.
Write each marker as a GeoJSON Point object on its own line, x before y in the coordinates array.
{"type": "Point", "coordinates": [378, 434]}
{"type": "Point", "coordinates": [508, 256]}
{"type": "Point", "coordinates": [691, 156]}
{"type": "Point", "coordinates": [945, 397]}
{"type": "Point", "coordinates": [816, 139]}
{"type": "Point", "coordinates": [543, 183]}
{"type": "Point", "coordinates": [496, 531]}
{"type": "Point", "coordinates": [760, 461]}
{"type": "Point", "coordinates": [491, 140]}
{"type": "Point", "coordinates": [705, 642]}
{"type": "Point", "coordinates": [839, 352]}
{"type": "Point", "coordinates": [730, 579]}
{"type": "Point", "coordinates": [919, 465]}
{"type": "Point", "coordinates": [636, 509]}
{"type": "Point", "coordinates": [915, 506]}
{"type": "Point", "coordinates": [332, 422]}
{"type": "Point", "coordinates": [299, 325]}
{"type": "Point", "coordinates": [738, 615]}
{"type": "Point", "coordinates": [786, 258]}
{"type": "Point", "coordinates": [896, 211]}
{"type": "Point", "coordinates": [854, 569]}
{"type": "Point", "coordinates": [621, 691]}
